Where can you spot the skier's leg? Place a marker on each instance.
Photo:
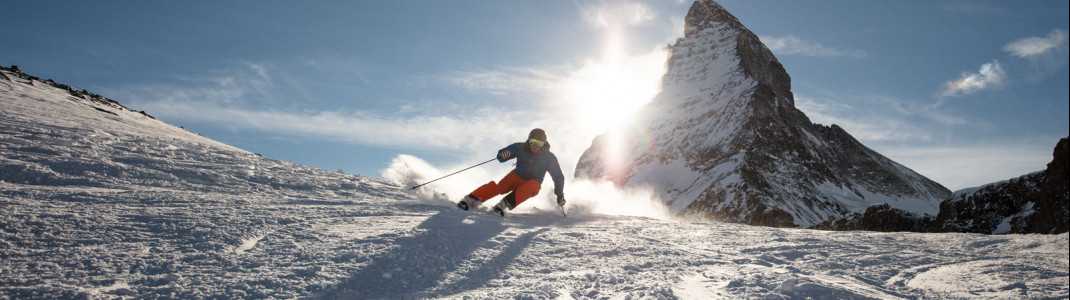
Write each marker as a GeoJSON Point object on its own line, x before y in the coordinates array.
{"type": "Point", "coordinates": [526, 190]}
{"type": "Point", "coordinates": [510, 200]}
{"type": "Point", "coordinates": [492, 189]}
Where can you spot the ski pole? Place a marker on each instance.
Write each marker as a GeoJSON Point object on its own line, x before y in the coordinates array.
{"type": "Point", "coordinates": [454, 173]}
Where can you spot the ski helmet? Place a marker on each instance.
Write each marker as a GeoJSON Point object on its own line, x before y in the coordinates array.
{"type": "Point", "coordinates": [537, 134]}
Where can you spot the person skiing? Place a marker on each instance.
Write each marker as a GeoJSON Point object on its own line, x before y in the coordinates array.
{"type": "Point", "coordinates": [534, 160]}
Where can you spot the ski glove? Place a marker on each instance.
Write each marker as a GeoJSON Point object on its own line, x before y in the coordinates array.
{"type": "Point", "coordinates": [505, 154]}
{"type": "Point", "coordinates": [560, 200]}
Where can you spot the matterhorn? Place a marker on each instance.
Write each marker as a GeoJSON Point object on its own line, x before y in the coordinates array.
{"type": "Point", "coordinates": [724, 141]}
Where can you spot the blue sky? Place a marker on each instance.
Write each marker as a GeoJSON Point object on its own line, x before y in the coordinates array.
{"type": "Point", "coordinates": [964, 92]}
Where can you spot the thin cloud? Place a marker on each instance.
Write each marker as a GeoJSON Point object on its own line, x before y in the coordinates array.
{"type": "Point", "coordinates": [1032, 47]}
{"type": "Point", "coordinates": [791, 45]}
{"type": "Point", "coordinates": [1046, 55]}
{"type": "Point", "coordinates": [956, 165]}
{"type": "Point", "coordinates": [864, 125]}
{"type": "Point", "coordinates": [617, 14]}
{"type": "Point", "coordinates": [991, 75]}
{"type": "Point", "coordinates": [420, 131]}
{"type": "Point", "coordinates": [505, 81]}
{"type": "Point", "coordinates": [239, 99]}
{"type": "Point", "coordinates": [883, 117]}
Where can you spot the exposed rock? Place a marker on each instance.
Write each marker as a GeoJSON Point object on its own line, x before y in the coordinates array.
{"type": "Point", "coordinates": [1033, 203]}
{"type": "Point", "coordinates": [1053, 203]}
{"type": "Point", "coordinates": [878, 218]}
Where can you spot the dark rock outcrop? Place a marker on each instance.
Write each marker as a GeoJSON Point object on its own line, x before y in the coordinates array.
{"type": "Point", "coordinates": [879, 218]}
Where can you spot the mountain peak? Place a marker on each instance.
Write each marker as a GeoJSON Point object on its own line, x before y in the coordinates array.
{"type": "Point", "coordinates": [703, 14]}
{"type": "Point", "coordinates": [723, 140]}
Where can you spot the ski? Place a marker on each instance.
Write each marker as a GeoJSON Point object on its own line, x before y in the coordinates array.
{"type": "Point", "coordinates": [465, 206]}
{"type": "Point", "coordinates": [503, 206]}
{"type": "Point", "coordinates": [500, 209]}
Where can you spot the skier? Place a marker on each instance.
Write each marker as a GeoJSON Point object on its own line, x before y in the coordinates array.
{"type": "Point", "coordinates": [533, 161]}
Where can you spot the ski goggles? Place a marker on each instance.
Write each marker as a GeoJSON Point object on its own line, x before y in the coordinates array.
{"type": "Point", "coordinates": [537, 143]}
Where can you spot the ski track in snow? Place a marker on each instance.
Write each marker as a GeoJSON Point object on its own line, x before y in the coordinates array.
{"type": "Point", "coordinates": [118, 205]}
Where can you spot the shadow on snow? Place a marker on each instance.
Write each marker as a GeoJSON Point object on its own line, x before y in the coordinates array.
{"type": "Point", "coordinates": [444, 243]}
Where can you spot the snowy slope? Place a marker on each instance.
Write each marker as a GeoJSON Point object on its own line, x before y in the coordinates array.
{"type": "Point", "coordinates": [99, 201]}
{"type": "Point", "coordinates": [724, 141]}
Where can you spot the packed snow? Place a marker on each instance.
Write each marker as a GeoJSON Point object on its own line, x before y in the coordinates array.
{"type": "Point", "coordinates": [98, 201]}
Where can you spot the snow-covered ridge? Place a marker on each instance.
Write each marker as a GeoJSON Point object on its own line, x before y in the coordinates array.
{"type": "Point", "coordinates": [57, 135]}
{"type": "Point", "coordinates": [23, 85]}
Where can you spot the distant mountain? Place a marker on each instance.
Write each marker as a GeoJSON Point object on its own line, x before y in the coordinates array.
{"type": "Point", "coordinates": [1038, 202]}
{"type": "Point", "coordinates": [724, 141]}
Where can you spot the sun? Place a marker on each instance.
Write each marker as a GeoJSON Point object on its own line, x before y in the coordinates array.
{"type": "Point", "coordinates": [600, 96]}
{"type": "Point", "coordinates": [606, 92]}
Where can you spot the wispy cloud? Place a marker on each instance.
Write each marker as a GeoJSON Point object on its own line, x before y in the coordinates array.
{"type": "Point", "coordinates": [614, 13]}
{"type": "Point", "coordinates": [959, 166]}
{"type": "Point", "coordinates": [791, 45]}
{"type": "Point", "coordinates": [869, 123]}
{"type": "Point", "coordinates": [991, 75]}
{"type": "Point", "coordinates": [874, 117]}
{"type": "Point", "coordinates": [420, 132]}
{"type": "Point", "coordinates": [239, 102]}
{"type": "Point", "coordinates": [507, 80]}
{"type": "Point", "coordinates": [1046, 54]}
{"type": "Point", "coordinates": [1032, 47]}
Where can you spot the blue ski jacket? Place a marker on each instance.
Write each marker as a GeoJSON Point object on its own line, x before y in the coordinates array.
{"type": "Point", "coordinates": [533, 166]}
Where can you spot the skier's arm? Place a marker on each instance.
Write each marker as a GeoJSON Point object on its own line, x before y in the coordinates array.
{"type": "Point", "coordinates": [509, 152]}
{"type": "Point", "coordinates": [558, 177]}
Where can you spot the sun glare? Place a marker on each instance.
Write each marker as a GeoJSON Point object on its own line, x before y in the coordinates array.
{"type": "Point", "coordinates": [606, 92]}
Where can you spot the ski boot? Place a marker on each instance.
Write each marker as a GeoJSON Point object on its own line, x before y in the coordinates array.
{"type": "Point", "coordinates": [468, 202]}
{"type": "Point", "coordinates": [500, 208]}
{"type": "Point", "coordinates": [507, 204]}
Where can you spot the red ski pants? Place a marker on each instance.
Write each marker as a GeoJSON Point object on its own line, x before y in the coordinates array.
{"type": "Point", "coordinates": [511, 182]}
